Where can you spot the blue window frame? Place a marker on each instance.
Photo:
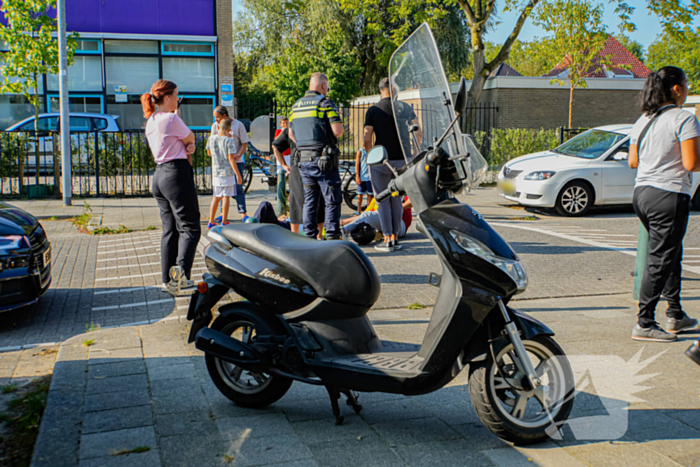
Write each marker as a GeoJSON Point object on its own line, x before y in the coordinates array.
{"type": "Point", "coordinates": [91, 50]}
{"type": "Point", "coordinates": [192, 49]}
{"type": "Point", "coordinates": [198, 114]}
{"type": "Point", "coordinates": [79, 96]}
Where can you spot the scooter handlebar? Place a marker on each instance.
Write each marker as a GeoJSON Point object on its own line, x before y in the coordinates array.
{"type": "Point", "coordinates": [386, 193]}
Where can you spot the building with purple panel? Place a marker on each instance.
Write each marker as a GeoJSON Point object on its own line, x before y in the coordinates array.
{"type": "Point", "coordinates": [126, 45]}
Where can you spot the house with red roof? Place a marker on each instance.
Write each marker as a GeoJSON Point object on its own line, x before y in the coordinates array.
{"type": "Point", "coordinates": [613, 61]}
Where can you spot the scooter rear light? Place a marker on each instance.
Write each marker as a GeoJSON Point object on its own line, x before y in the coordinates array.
{"type": "Point", "coordinates": [202, 287]}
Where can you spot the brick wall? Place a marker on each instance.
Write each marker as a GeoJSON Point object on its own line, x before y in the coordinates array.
{"type": "Point", "coordinates": [549, 108]}
{"type": "Point", "coordinates": [224, 32]}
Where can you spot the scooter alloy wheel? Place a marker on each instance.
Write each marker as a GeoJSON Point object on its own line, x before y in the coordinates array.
{"type": "Point", "coordinates": [245, 388]}
{"type": "Point", "coordinates": [507, 405]}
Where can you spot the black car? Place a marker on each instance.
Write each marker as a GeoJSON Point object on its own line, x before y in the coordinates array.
{"type": "Point", "coordinates": [25, 258]}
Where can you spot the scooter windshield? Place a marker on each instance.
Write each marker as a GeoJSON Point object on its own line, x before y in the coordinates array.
{"type": "Point", "coordinates": [422, 104]}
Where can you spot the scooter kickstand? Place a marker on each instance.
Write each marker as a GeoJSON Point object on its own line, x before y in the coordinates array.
{"type": "Point", "coordinates": [334, 394]}
{"type": "Point", "coordinates": [352, 400]}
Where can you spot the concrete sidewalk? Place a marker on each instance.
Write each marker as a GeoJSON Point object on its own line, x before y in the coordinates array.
{"type": "Point", "coordinates": [144, 387]}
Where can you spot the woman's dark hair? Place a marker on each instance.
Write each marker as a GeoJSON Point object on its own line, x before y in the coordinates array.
{"type": "Point", "coordinates": [159, 90]}
{"type": "Point", "coordinates": [221, 110]}
{"type": "Point", "coordinates": [658, 88]}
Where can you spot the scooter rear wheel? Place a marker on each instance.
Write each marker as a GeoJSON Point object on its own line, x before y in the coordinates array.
{"type": "Point", "coordinates": [245, 388]}
{"type": "Point", "coordinates": [516, 414]}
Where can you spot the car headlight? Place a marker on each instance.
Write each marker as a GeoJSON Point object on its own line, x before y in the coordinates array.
{"type": "Point", "coordinates": [9, 256]}
{"type": "Point", "coordinates": [513, 268]}
{"type": "Point", "coordinates": [542, 175]}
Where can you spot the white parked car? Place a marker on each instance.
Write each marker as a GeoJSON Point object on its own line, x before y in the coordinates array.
{"type": "Point", "coordinates": [589, 169]}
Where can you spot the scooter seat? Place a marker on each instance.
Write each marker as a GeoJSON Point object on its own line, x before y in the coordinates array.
{"type": "Point", "coordinates": [339, 271]}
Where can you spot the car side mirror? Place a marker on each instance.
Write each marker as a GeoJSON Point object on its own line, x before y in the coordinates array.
{"type": "Point", "coordinates": [621, 156]}
{"type": "Point", "coordinates": [461, 98]}
{"type": "Point", "coordinates": [377, 155]}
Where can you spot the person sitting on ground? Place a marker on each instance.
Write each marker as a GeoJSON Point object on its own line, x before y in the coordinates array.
{"type": "Point", "coordinates": [364, 185]}
{"type": "Point", "coordinates": [371, 217]}
{"type": "Point", "coordinates": [222, 151]}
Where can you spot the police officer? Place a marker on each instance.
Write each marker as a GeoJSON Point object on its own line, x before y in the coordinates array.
{"type": "Point", "coordinates": [315, 127]}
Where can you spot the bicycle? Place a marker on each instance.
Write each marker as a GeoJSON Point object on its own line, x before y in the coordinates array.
{"type": "Point", "coordinates": [255, 161]}
{"type": "Point", "coordinates": [348, 184]}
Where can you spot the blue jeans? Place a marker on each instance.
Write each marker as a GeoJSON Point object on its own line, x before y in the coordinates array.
{"type": "Point", "coordinates": [240, 192]}
{"type": "Point", "coordinates": [318, 183]}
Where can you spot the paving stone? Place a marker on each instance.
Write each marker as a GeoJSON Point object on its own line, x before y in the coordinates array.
{"type": "Point", "coordinates": [164, 372]}
{"type": "Point", "coordinates": [117, 400]}
{"type": "Point", "coordinates": [117, 419]}
{"type": "Point", "coordinates": [313, 409]}
{"type": "Point", "coordinates": [422, 430]}
{"type": "Point", "coordinates": [143, 459]}
{"type": "Point", "coordinates": [267, 450]}
{"type": "Point", "coordinates": [442, 453]}
{"type": "Point", "coordinates": [192, 449]}
{"type": "Point", "coordinates": [183, 423]}
{"type": "Point", "coordinates": [608, 454]}
{"type": "Point", "coordinates": [402, 409]}
{"type": "Point", "coordinates": [116, 343]}
{"type": "Point", "coordinates": [479, 436]}
{"type": "Point", "coordinates": [105, 444]}
{"type": "Point", "coordinates": [114, 356]}
{"type": "Point", "coordinates": [116, 384]}
{"type": "Point", "coordinates": [367, 452]}
{"type": "Point", "coordinates": [543, 454]}
{"type": "Point", "coordinates": [170, 396]}
{"type": "Point", "coordinates": [254, 427]}
{"type": "Point", "coordinates": [131, 367]}
{"type": "Point", "coordinates": [318, 431]}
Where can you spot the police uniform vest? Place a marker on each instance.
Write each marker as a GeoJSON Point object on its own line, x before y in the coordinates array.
{"type": "Point", "coordinates": [309, 124]}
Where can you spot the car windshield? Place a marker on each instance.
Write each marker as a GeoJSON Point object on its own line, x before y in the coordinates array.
{"type": "Point", "coordinates": [590, 145]}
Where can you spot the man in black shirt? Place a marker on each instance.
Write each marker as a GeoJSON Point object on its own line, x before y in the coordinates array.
{"type": "Point", "coordinates": [379, 121]}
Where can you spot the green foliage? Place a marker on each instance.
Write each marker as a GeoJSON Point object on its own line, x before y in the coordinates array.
{"type": "Point", "coordinates": [109, 231]}
{"type": "Point", "coordinates": [515, 142]}
{"type": "Point", "coordinates": [32, 50]}
{"type": "Point", "coordinates": [82, 220]}
{"type": "Point", "coordinates": [532, 58]}
{"type": "Point", "coordinates": [151, 227]}
{"type": "Point", "coordinates": [577, 36]}
{"type": "Point", "coordinates": [88, 342]}
{"type": "Point", "coordinates": [8, 388]}
{"type": "Point", "coordinates": [416, 306]}
{"type": "Point", "coordinates": [92, 327]}
{"type": "Point", "coordinates": [679, 50]}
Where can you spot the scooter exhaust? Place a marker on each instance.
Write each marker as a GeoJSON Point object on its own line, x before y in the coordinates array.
{"type": "Point", "coordinates": [226, 348]}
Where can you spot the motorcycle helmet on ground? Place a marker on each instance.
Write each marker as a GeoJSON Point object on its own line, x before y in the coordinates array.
{"type": "Point", "coordinates": [251, 220]}
{"type": "Point", "coordinates": [363, 234]}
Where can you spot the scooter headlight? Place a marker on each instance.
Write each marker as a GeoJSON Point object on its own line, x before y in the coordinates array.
{"type": "Point", "coordinates": [511, 267]}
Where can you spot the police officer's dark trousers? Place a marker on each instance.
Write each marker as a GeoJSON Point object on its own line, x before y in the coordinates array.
{"type": "Point", "coordinates": [176, 194]}
{"type": "Point", "coordinates": [665, 216]}
{"type": "Point", "coordinates": [318, 183]}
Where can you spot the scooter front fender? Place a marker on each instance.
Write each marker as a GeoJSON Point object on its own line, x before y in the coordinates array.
{"type": "Point", "coordinates": [528, 326]}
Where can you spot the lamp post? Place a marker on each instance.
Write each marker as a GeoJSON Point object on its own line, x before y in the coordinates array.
{"type": "Point", "coordinates": [63, 96]}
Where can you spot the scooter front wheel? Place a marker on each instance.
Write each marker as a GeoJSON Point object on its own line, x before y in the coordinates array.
{"type": "Point", "coordinates": [245, 388]}
{"type": "Point", "coordinates": [506, 403]}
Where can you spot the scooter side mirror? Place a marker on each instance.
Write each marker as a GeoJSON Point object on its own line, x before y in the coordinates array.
{"type": "Point", "coordinates": [461, 98]}
{"type": "Point", "coordinates": [377, 155]}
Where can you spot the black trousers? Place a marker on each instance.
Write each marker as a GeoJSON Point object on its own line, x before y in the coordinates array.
{"type": "Point", "coordinates": [174, 189]}
{"type": "Point", "coordinates": [665, 216]}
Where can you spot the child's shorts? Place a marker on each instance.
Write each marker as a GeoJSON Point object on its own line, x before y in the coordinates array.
{"type": "Point", "coordinates": [365, 188]}
{"type": "Point", "coordinates": [227, 190]}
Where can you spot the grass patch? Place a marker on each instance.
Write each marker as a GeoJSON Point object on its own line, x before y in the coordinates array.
{"type": "Point", "coordinates": [524, 218]}
{"type": "Point", "coordinates": [23, 419]}
{"type": "Point", "coordinates": [53, 218]}
{"type": "Point", "coordinates": [136, 450]}
{"type": "Point", "coordinates": [109, 231]}
{"type": "Point", "coordinates": [88, 342]}
{"type": "Point", "coordinates": [416, 306]}
{"type": "Point", "coordinates": [9, 388]}
{"type": "Point", "coordinates": [151, 227]}
{"type": "Point", "coordinates": [92, 327]}
{"type": "Point", "coordinates": [82, 220]}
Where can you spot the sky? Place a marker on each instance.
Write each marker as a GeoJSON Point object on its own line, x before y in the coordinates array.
{"type": "Point", "coordinates": [648, 26]}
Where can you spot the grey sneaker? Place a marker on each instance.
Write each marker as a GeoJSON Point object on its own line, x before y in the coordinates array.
{"type": "Point", "coordinates": [385, 246]}
{"type": "Point", "coordinates": [397, 245]}
{"type": "Point", "coordinates": [686, 323]}
{"type": "Point", "coordinates": [653, 333]}
{"type": "Point", "coordinates": [178, 281]}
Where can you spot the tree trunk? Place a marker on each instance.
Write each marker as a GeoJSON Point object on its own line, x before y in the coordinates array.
{"type": "Point", "coordinates": [478, 82]}
{"type": "Point", "coordinates": [571, 102]}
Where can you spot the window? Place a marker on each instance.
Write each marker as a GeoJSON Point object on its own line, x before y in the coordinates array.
{"type": "Point", "coordinates": [85, 74]}
{"type": "Point", "coordinates": [15, 108]}
{"type": "Point", "coordinates": [197, 111]}
{"type": "Point", "coordinates": [136, 73]}
{"type": "Point", "coordinates": [188, 48]}
{"type": "Point", "coordinates": [79, 124]}
{"type": "Point", "coordinates": [46, 124]}
{"type": "Point", "coordinates": [100, 123]}
{"type": "Point", "coordinates": [89, 46]}
{"type": "Point", "coordinates": [85, 104]}
{"type": "Point", "coordinates": [190, 74]}
{"type": "Point", "coordinates": [130, 113]}
{"type": "Point", "coordinates": [131, 47]}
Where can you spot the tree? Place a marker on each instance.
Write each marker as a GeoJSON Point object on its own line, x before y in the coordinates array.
{"type": "Point", "coordinates": [635, 48]}
{"type": "Point", "coordinates": [578, 35]}
{"type": "Point", "coordinates": [32, 51]}
{"type": "Point", "coordinates": [528, 58]}
{"type": "Point", "coordinates": [681, 50]}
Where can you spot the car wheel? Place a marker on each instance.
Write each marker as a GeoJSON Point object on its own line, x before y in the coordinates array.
{"type": "Point", "coordinates": [575, 199]}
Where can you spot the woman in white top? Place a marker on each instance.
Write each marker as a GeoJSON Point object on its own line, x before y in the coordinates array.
{"type": "Point", "coordinates": [665, 149]}
{"type": "Point", "coordinates": [240, 140]}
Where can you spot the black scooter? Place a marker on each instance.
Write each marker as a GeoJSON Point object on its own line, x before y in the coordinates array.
{"type": "Point", "coordinates": [305, 315]}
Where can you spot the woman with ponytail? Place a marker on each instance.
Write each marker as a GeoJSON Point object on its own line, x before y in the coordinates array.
{"type": "Point", "coordinates": [172, 143]}
{"type": "Point", "coordinates": [665, 149]}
